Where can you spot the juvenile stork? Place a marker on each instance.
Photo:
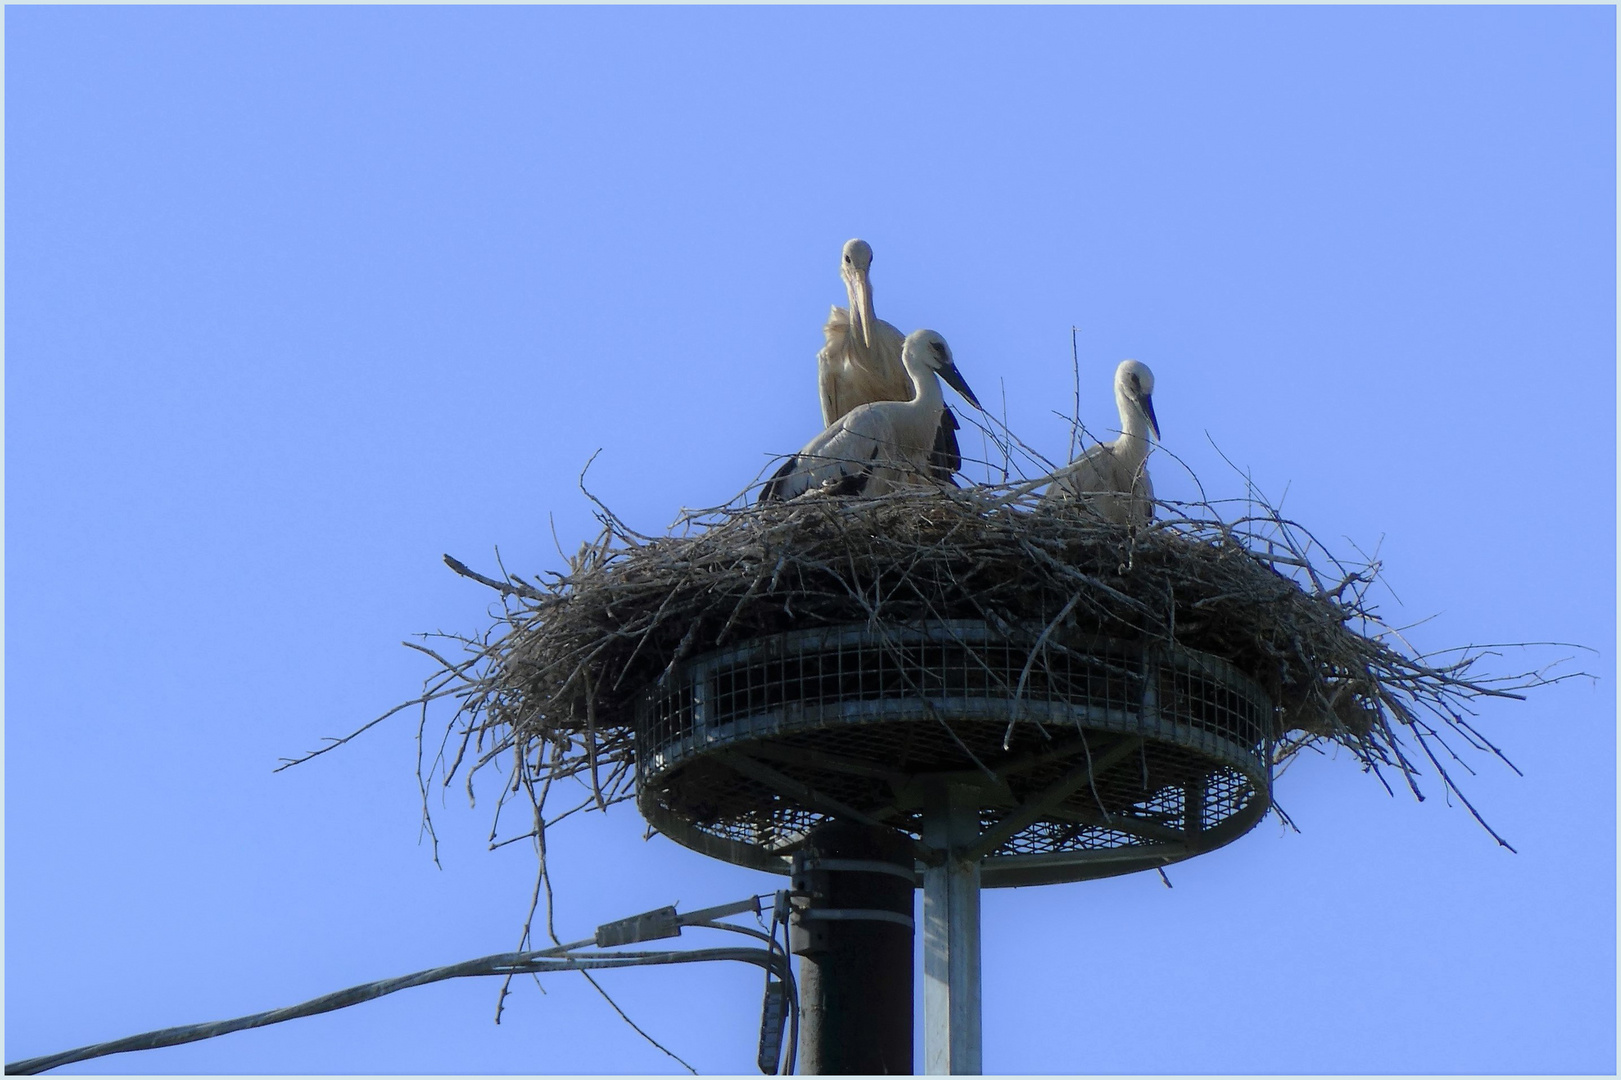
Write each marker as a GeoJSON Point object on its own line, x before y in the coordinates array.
{"type": "Point", "coordinates": [1112, 477]}
{"type": "Point", "coordinates": [861, 360]}
{"type": "Point", "coordinates": [881, 445]}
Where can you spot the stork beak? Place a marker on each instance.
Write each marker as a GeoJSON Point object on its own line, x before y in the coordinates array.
{"type": "Point", "coordinates": [861, 301]}
{"type": "Point", "coordinates": [953, 378]}
{"type": "Point", "coordinates": [1148, 411]}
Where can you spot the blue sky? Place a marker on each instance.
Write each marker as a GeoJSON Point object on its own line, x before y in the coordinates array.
{"type": "Point", "coordinates": [299, 298]}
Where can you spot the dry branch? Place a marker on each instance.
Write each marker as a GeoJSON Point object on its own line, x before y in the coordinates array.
{"type": "Point", "coordinates": [552, 685]}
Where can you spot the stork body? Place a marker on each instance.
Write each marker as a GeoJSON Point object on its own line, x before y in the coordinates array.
{"type": "Point", "coordinates": [860, 362]}
{"type": "Point", "coordinates": [879, 446]}
{"type": "Point", "coordinates": [1112, 477]}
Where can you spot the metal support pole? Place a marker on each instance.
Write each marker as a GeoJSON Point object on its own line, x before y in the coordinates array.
{"type": "Point", "coordinates": [853, 934]}
{"type": "Point", "coordinates": [951, 1007]}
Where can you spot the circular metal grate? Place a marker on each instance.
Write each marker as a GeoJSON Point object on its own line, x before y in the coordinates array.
{"type": "Point", "coordinates": [1086, 758]}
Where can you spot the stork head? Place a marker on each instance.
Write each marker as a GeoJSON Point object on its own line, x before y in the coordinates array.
{"type": "Point", "coordinates": [1134, 386]}
{"type": "Point", "coordinates": [926, 350]}
{"type": "Point", "coordinates": [854, 264]}
{"type": "Point", "coordinates": [857, 257]}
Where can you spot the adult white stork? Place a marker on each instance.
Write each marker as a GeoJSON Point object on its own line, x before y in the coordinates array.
{"type": "Point", "coordinates": [1112, 477]}
{"type": "Point", "coordinates": [881, 445]}
{"type": "Point", "coordinates": [861, 360]}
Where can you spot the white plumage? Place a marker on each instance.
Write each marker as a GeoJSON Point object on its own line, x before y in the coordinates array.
{"type": "Point", "coordinates": [1112, 477]}
{"type": "Point", "coordinates": [882, 445]}
{"type": "Point", "coordinates": [861, 360]}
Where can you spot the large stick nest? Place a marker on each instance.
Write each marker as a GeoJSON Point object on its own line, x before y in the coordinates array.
{"type": "Point", "coordinates": [551, 686]}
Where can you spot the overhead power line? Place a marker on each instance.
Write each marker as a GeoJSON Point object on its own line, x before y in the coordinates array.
{"type": "Point", "coordinates": [665, 922]}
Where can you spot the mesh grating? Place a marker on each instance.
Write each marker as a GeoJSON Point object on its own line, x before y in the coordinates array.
{"type": "Point", "coordinates": [1134, 756]}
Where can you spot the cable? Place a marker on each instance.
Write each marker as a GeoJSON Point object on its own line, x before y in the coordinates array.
{"type": "Point", "coordinates": [793, 987]}
{"type": "Point", "coordinates": [779, 917]}
{"type": "Point", "coordinates": [749, 930]}
{"type": "Point", "coordinates": [544, 960]}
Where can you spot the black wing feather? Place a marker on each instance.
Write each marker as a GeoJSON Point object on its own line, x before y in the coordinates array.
{"type": "Point", "coordinates": [946, 457]}
{"type": "Point", "coordinates": [772, 492]}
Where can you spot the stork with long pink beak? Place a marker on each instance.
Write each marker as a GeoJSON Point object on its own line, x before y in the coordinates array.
{"type": "Point", "coordinates": [861, 360]}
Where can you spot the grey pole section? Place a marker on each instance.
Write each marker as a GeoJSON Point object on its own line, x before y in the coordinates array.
{"type": "Point", "coordinates": [951, 1006]}
{"type": "Point", "coordinates": [854, 937]}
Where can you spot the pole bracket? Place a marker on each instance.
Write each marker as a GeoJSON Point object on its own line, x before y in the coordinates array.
{"type": "Point", "coordinates": [868, 866]}
{"type": "Point", "coordinates": [858, 915]}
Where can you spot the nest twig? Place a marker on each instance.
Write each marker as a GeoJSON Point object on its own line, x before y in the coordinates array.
{"type": "Point", "coordinates": [550, 687]}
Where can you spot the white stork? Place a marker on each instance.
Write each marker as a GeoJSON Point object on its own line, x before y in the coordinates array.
{"type": "Point", "coordinates": [861, 361]}
{"type": "Point", "coordinates": [1112, 477]}
{"type": "Point", "coordinates": [881, 445]}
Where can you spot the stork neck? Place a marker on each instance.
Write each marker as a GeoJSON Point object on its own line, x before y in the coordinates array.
{"type": "Point", "coordinates": [925, 387]}
{"type": "Point", "coordinates": [1133, 440]}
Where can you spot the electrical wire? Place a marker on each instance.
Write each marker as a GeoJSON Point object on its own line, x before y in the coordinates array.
{"type": "Point", "coordinates": [734, 929]}
{"type": "Point", "coordinates": [522, 963]}
{"type": "Point", "coordinates": [779, 917]}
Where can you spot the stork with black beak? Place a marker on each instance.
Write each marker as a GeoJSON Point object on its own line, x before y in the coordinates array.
{"type": "Point", "coordinates": [881, 445]}
{"type": "Point", "coordinates": [1112, 477]}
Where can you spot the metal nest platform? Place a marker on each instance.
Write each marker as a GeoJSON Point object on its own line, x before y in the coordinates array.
{"type": "Point", "coordinates": [1085, 758]}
